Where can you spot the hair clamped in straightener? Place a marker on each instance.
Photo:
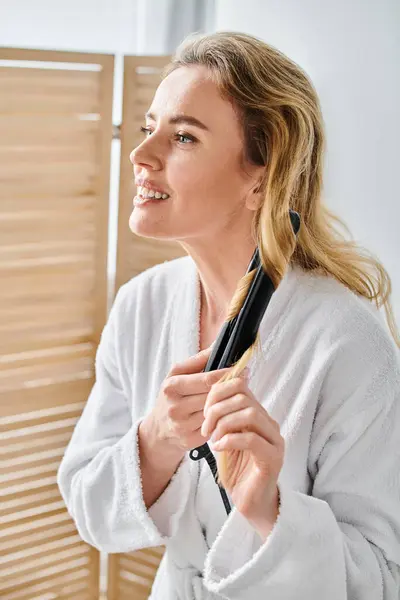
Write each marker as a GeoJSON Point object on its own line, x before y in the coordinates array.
{"type": "Point", "coordinates": [237, 335]}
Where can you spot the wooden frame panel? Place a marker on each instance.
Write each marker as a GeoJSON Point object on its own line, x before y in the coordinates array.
{"type": "Point", "coordinates": [55, 144]}
{"type": "Point", "coordinates": [142, 74]}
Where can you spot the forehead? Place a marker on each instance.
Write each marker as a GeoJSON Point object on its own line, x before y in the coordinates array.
{"type": "Point", "coordinates": [191, 91]}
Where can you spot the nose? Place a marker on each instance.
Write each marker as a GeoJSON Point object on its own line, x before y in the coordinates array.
{"type": "Point", "coordinates": [145, 155]}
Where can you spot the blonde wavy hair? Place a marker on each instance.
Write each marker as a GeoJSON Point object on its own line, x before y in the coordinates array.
{"type": "Point", "coordinates": [283, 130]}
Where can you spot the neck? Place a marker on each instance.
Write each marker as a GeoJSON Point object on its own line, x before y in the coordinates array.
{"type": "Point", "coordinates": [219, 274]}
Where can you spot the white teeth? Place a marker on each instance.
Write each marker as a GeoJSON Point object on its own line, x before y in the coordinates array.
{"type": "Point", "coordinates": [146, 193]}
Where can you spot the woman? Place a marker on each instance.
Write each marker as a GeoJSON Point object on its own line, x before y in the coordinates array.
{"type": "Point", "coordinates": [309, 437]}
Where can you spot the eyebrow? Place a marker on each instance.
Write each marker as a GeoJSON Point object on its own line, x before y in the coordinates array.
{"type": "Point", "coordinates": [179, 119]}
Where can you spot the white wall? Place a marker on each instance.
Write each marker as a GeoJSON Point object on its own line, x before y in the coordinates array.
{"type": "Point", "coordinates": [351, 50]}
{"type": "Point", "coordinates": [92, 25]}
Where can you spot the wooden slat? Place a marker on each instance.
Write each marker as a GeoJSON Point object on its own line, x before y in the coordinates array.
{"type": "Point", "coordinates": [51, 276]}
{"type": "Point", "coordinates": [19, 156]}
{"type": "Point", "coordinates": [32, 539]}
{"type": "Point", "coordinates": [44, 102]}
{"type": "Point", "coordinates": [131, 575]}
{"type": "Point", "coordinates": [31, 206]}
{"type": "Point", "coordinates": [87, 81]}
{"type": "Point", "coordinates": [58, 394]}
{"type": "Point", "coordinates": [23, 184]}
{"type": "Point", "coordinates": [36, 432]}
{"type": "Point", "coordinates": [32, 170]}
{"type": "Point", "coordinates": [19, 449]}
{"type": "Point", "coordinates": [44, 550]}
{"type": "Point", "coordinates": [48, 91]}
{"type": "Point", "coordinates": [16, 466]}
{"type": "Point", "coordinates": [21, 130]}
{"type": "Point", "coordinates": [45, 312]}
{"type": "Point", "coordinates": [68, 578]}
{"type": "Point", "coordinates": [30, 500]}
{"type": "Point", "coordinates": [74, 333]}
{"type": "Point", "coordinates": [42, 250]}
{"type": "Point", "coordinates": [29, 477]}
{"type": "Point", "coordinates": [132, 589]}
{"type": "Point", "coordinates": [139, 558]}
{"type": "Point", "coordinates": [28, 563]}
{"type": "Point", "coordinates": [14, 536]}
{"type": "Point", "coordinates": [44, 412]}
{"type": "Point", "coordinates": [17, 377]}
{"type": "Point", "coordinates": [19, 581]}
{"type": "Point", "coordinates": [56, 56]}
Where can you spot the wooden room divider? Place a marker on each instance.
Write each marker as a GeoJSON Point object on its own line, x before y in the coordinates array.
{"type": "Point", "coordinates": [55, 141]}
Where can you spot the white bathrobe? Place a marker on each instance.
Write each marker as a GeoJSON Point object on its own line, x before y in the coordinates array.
{"type": "Point", "coordinates": [329, 373]}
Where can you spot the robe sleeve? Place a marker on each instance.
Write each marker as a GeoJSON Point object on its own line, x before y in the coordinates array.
{"type": "Point", "coordinates": [342, 541]}
{"type": "Point", "coordinates": [99, 476]}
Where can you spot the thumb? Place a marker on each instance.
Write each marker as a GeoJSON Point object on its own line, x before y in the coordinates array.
{"type": "Point", "coordinates": [206, 351]}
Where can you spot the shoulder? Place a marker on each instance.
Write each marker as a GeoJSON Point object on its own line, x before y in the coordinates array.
{"type": "Point", "coordinates": [340, 314]}
{"type": "Point", "coordinates": [351, 360]}
{"type": "Point", "coordinates": [345, 336]}
{"type": "Point", "coordinates": [352, 348]}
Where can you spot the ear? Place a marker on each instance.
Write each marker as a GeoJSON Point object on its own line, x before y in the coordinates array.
{"type": "Point", "coordinates": [254, 197]}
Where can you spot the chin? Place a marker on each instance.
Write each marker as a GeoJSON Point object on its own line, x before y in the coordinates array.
{"type": "Point", "coordinates": [145, 227]}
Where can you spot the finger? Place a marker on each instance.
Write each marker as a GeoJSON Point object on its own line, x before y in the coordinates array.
{"type": "Point", "coordinates": [248, 440]}
{"type": "Point", "coordinates": [225, 407]}
{"type": "Point", "coordinates": [193, 404]}
{"type": "Point", "coordinates": [226, 389]}
{"type": "Point", "coordinates": [193, 364]}
{"type": "Point", "coordinates": [247, 419]}
{"type": "Point", "coordinates": [195, 383]}
{"type": "Point", "coordinates": [195, 421]}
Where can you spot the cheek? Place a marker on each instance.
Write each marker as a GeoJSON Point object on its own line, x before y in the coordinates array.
{"type": "Point", "coordinates": [207, 197]}
{"type": "Point", "coordinates": [206, 182]}
{"type": "Point", "coordinates": [207, 186]}
{"type": "Point", "coordinates": [208, 168]}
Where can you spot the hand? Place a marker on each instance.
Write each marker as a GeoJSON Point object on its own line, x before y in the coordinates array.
{"type": "Point", "coordinates": [252, 444]}
{"type": "Point", "coordinates": [178, 414]}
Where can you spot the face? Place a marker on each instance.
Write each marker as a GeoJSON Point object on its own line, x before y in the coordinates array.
{"type": "Point", "coordinates": [192, 151]}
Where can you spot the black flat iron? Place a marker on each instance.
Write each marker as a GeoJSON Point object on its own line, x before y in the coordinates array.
{"type": "Point", "coordinates": [237, 335]}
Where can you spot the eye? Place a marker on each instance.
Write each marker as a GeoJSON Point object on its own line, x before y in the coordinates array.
{"type": "Point", "coordinates": [145, 130]}
{"type": "Point", "coordinates": [184, 136]}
